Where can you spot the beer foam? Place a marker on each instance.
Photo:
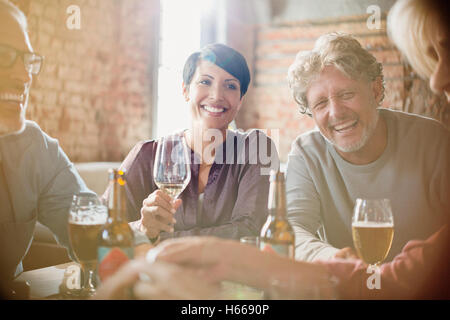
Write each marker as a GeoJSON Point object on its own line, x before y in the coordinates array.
{"type": "Point", "coordinates": [372, 224]}
{"type": "Point", "coordinates": [88, 222]}
{"type": "Point", "coordinates": [94, 216]}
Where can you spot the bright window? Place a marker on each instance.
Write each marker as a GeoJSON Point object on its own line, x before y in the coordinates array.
{"type": "Point", "coordinates": [180, 36]}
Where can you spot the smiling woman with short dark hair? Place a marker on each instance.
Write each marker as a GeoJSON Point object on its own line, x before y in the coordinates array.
{"type": "Point", "coordinates": [228, 190]}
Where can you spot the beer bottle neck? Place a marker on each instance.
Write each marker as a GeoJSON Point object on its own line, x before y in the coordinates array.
{"type": "Point", "coordinates": [277, 200]}
{"type": "Point", "coordinates": [117, 206]}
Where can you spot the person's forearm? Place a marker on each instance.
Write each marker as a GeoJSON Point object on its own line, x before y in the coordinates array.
{"type": "Point", "coordinates": [262, 270]}
{"type": "Point", "coordinates": [309, 248]}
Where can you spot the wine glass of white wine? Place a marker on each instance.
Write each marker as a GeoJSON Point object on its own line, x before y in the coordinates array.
{"type": "Point", "coordinates": [171, 170]}
{"type": "Point", "coordinates": [373, 229]}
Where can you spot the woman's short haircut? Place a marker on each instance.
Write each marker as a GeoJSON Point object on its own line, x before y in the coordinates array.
{"type": "Point", "coordinates": [333, 49]}
{"type": "Point", "coordinates": [410, 25]}
{"type": "Point", "coordinates": [7, 6]}
{"type": "Point", "coordinates": [224, 57]}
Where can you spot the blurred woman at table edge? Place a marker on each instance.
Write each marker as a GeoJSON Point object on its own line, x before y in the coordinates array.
{"type": "Point", "coordinates": [227, 193]}
{"type": "Point", "coordinates": [420, 271]}
{"type": "Point", "coordinates": [420, 30]}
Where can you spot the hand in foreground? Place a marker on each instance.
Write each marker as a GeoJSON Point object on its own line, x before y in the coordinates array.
{"type": "Point", "coordinates": [346, 253]}
{"type": "Point", "coordinates": [117, 286]}
{"type": "Point", "coordinates": [165, 281]}
{"type": "Point", "coordinates": [157, 214]}
{"type": "Point", "coordinates": [140, 251]}
{"type": "Point", "coordinates": [172, 282]}
{"type": "Point", "coordinates": [207, 255]}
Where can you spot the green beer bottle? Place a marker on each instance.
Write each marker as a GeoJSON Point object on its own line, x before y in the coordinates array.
{"type": "Point", "coordinates": [277, 235]}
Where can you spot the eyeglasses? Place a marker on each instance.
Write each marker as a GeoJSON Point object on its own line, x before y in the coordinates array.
{"type": "Point", "coordinates": [32, 61]}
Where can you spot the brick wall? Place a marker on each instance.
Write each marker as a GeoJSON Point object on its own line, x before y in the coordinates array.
{"type": "Point", "coordinates": [269, 103]}
{"type": "Point", "coordinates": [95, 92]}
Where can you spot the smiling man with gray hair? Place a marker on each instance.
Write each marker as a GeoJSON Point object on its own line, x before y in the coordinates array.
{"type": "Point", "coordinates": [359, 150]}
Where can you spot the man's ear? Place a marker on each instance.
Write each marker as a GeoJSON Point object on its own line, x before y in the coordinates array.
{"type": "Point", "coordinates": [377, 89]}
{"type": "Point", "coordinates": [185, 91]}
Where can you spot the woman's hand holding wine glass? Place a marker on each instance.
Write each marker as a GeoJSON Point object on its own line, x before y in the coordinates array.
{"type": "Point", "coordinates": [157, 213]}
{"type": "Point", "coordinates": [171, 174]}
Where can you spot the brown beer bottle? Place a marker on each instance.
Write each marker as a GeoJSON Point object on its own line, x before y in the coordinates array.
{"type": "Point", "coordinates": [116, 239]}
{"type": "Point", "coordinates": [277, 235]}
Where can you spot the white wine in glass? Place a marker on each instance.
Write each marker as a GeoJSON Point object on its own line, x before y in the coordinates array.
{"type": "Point", "coordinates": [172, 189]}
{"type": "Point", "coordinates": [172, 171]}
{"type": "Point", "coordinates": [372, 229]}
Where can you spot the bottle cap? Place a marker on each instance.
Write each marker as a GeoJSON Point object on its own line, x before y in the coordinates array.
{"type": "Point", "coordinates": [115, 173]}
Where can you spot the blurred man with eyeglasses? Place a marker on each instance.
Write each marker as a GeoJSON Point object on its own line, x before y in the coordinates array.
{"type": "Point", "coordinates": [37, 180]}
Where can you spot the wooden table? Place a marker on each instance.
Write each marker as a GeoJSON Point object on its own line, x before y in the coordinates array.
{"type": "Point", "coordinates": [45, 284]}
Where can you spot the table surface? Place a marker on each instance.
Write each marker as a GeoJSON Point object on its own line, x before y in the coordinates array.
{"type": "Point", "coordinates": [45, 282]}
{"type": "Point", "coordinates": [45, 285]}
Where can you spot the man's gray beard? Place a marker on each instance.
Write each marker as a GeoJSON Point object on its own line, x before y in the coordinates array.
{"type": "Point", "coordinates": [367, 134]}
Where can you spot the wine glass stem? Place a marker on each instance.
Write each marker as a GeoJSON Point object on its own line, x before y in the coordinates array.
{"type": "Point", "coordinates": [88, 280]}
{"type": "Point", "coordinates": [172, 203]}
{"type": "Point", "coordinates": [375, 267]}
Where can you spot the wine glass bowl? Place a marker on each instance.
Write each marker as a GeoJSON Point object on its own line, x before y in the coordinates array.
{"type": "Point", "coordinates": [86, 217]}
{"type": "Point", "coordinates": [372, 229]}
{"type": "Point", "coordinates": [171, 171]}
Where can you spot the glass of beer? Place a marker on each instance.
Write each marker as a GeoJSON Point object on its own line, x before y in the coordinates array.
{"type": "Point", "coordinates": [86, 217]}
{"type": "Point", "coordinates": [372, 229]}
